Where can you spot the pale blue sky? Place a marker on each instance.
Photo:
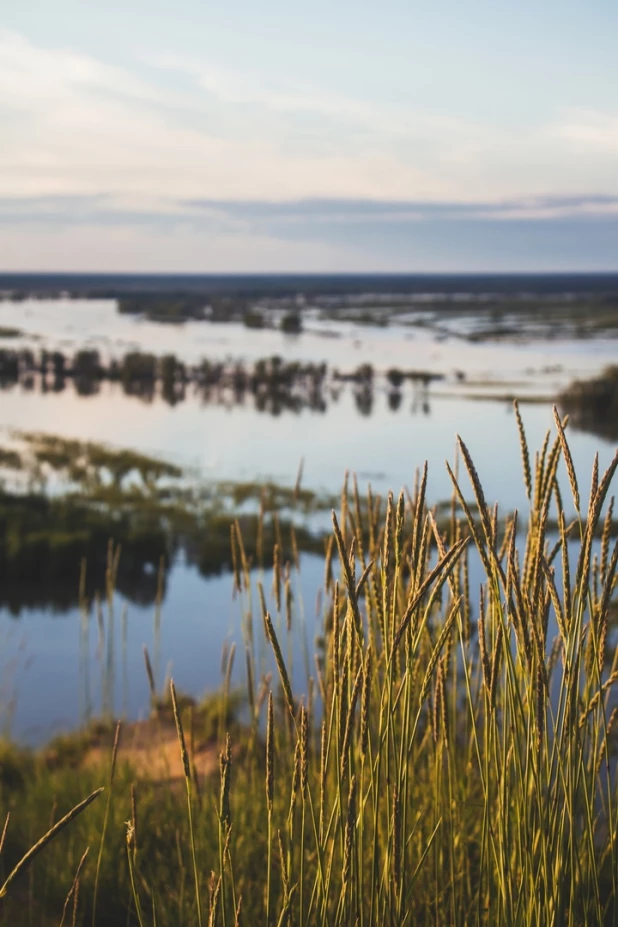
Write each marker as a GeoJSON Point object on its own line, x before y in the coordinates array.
{"type": "Point", "coordinates": [142, 135]}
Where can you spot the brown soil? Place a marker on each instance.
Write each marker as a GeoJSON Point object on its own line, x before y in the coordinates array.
{"type": "Point", "coordinates": [151, 748]}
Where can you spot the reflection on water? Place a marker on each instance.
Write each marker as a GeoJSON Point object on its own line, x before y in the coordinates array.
{"type": "Point", "coordinates": [221, 439]}
{"type": "Point", "coordinates": [58, 593]}
{"type": "Point", "coordinates": [60, 670]}
{"type": "Point", "coordinates": [272, 385]}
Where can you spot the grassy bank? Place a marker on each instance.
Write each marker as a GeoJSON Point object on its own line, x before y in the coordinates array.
{"type": "Point", "coordinates": [451, 760]}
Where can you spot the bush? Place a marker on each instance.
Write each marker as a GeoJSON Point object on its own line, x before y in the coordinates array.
{"type": "Point", "coordinates": [291, 323]}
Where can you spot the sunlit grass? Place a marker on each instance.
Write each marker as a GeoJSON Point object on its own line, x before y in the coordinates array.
{"type": "Point", "coordinates": [451, 760]}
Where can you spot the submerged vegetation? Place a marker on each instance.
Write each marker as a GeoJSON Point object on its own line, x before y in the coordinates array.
{"type": "Point", "coordinates": [492, 315]}
{"type": "Point", "coordinates": [474, 307]}
{"type": "Point", "coordinates": [143, 507]}
{"type": "Point", "coordinates": [450, 757]}
{"type": "Point", "coordinates": [163, 308]}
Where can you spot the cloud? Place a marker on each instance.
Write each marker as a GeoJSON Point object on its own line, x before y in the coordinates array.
{"type": "Point", "coordinates": [72, 124]}
{"type": "Point", "coordinates": [172, 164]}
{"type": "Point", "coordinates": [76, 125]}
{"type": "Point", "coordinates": [252, 91]}
{"type": "Point", "coordinates": [590, 131]}
{"type": "Point", "coordinates": [58, 74]}
{"type": "Point", "coordinates": [235, 214]}
{"type": "Point", "coordinates": [370, 210]}
{"type": "Point", "coordinates": [109, 233]}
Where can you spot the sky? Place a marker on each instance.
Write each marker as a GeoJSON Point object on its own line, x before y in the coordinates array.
{"type": "Point", "coordinates": [201, 136]}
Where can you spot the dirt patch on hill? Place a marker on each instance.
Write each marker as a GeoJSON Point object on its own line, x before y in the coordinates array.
{"type": "Point", "coordinates": [151, 748]}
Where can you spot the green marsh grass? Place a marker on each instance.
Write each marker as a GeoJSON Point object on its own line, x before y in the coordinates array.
{"type": "Point", "coordinates": [453, 760]}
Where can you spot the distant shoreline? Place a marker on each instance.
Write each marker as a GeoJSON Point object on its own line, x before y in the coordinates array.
{"type": "Point", "coordinates": [114, 285]}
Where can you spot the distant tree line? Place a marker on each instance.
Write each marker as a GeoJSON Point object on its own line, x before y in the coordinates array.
{"type": "Point", "coordinates": [179, 308]}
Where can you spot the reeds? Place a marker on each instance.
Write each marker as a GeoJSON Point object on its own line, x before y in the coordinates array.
{"type": "Point", "coordinates": [456, 763]}
{"type": "Point", "coordinates": [476, 762]}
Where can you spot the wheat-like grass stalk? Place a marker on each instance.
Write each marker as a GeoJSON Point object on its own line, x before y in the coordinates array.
{"type": "Point", "coordinates": [270, 754]}
{"type": "Point", "coordinates": [594, 481]}
{"type": "Point", "coordinates": [74, 887]}
{"type": "Point", "coordinates": [40, 845]}
{"type": "Point", "coordinates": [605, 537]}
{"type": "Point", "coordinates": [396, 838]}
{"type": "Point", "coordinates": [105, 819]}
{"type": "Point", "coordinates": [283, 674]}
{"type": "Point", "coordinates": [365, 705]}
{"type": "Point", "coordinates": [350, 829]}
{"type": "Point", "coordinates": [323, 769]}
{"type": "Point", "coordinates": [441, 569]}
{"type": "Point", "coordinates": [134, 817]}
{"type": "Point", "coordinates": [437, 650]}
{"type": "Point", "coordinates": [525, 454]}
{"type": "Point", "coordinates": [234, 551]}
{"type": "Point", "coordinates": [151, 680]}
{"type": "Point", "coordinates": [4, 830]}
{"type": "Point", "coordinates": [184, 756]}
{"type": "Point", "coordinates": [566, 453]}
{"type": "Point", "coordinates": [215, 893]}
{"type": "Point", "coordinates": [225, 766]}
{"type": "Point", "coordinates": [349, 721]}
{"type": "Point", "coordinates": [277, 576]}
{"type": "Point", "coordinates": [270, 791]}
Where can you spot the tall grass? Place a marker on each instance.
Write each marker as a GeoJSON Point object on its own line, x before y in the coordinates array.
{"type": "Point", "coordinates": [452, 761]}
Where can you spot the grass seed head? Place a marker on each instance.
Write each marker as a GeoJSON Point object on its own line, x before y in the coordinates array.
{"type": "Point", "coordinates": [350, 827]}
{"type": "Point", "coordinates": [304, 752]}
{"type": "Point", "coordinates": [270, 754]}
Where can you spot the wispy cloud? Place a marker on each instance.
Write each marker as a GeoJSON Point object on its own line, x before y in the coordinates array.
{"type": "Point", "coordinates": [368, 210]}
{"type": "Point", "coordinates": [116, 233]}
{"type": "Point", "coordinates": [72, 124]}
{"type": "Point", "coordinates": [177, 162]}
{"type": "Point", "coordinates": [589, 130]}
{"type": "Point", "coordinates": [235, 215]}
{"type": "Point", "coordinates": [173, 127]}
{"type": "Point", "coordinates": [252, 90]}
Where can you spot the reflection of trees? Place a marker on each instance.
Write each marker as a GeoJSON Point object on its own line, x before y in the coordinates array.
{"type": "Point", "coordinates": [173, 379]}
{"type": "Point", "coordinates": [395, 378]}
{"type": "Point", "coordinates": [140, 389]}
{"type": "Point", "coordinates": [420, 398]}
{"type": "Point", "coordinates": [270, 397]}
{"type": "Point", "coordinates": [86, 387]}
{"type": "Point", "coordinates": [420, 404]}
{"type": "Point", "coordinates": [61, 593]}
{"type": "Point", "coordinates": [363, 398]}
{"type": "Point", "coordinates": [173, 393]}
{"type": "Point", "coordinates": [44, 540]}
{"type": "Point", "coordinates": [87, 365]}
{"type": "Point", "coordinates": [138, 373]}
{"type": "Point", "coordinates": [394, 400]}
{"type": "Point", "coordinates": [275, 385]}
